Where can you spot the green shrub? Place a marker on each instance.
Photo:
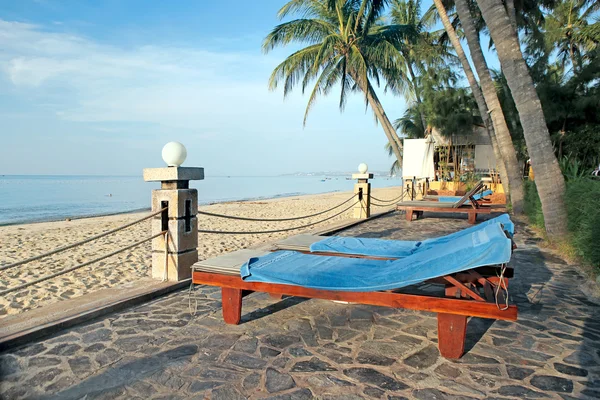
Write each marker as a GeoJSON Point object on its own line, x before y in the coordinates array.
{"type": "Point", "coordinates": [532, 204]}
{"type": "Point", "coordinates": [583, 210]}
{"type": "Point", "coordinates": [582, 200]}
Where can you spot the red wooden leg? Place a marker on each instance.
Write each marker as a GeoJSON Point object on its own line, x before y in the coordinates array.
{"type": "Point", "coordinates": [409, 215]}
{"type": "Point", "coordinates": [232, 305]}
{"type": "Point", "coordinates": [452, 331]}
{"type": "Point", "coordinates": [276, 296]}
{"type": "Point", "coordinates": [472, 218]}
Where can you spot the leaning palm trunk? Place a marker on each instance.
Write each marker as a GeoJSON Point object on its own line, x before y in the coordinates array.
{"type": "Point", "coordinates": [490, 95]}
{"type": "Point", "coordinates": [549, 179]}
{"type": "Point", "coordinates": [381, 116]}
{"type": "Point", "coordinates": [413, 79]}
{"type": "Point", "coordinates": [387, 126]}
{"type": "Point", "coordinates": [500, 138]}
{"type": "Point", "coordinates": [512, 13]}
{"type": "Point", "coordinates": [500, 164]}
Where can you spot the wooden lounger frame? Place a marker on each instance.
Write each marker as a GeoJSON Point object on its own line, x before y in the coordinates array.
{"type": "Point", "coordinates": [472, 209]}
{"type": "Point", "coordinates": [468, 294]}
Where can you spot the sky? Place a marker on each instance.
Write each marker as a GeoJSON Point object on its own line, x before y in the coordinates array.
{"type": "Point", "coordinates": [98, 87]}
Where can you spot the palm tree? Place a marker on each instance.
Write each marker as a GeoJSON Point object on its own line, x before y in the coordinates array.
{"type": "Point", "coordinates": [502, 133]}
{"type": "Point", "coordinates": [409, 13]}
{"type": "Point", "coordinates": [568, 31]}
{"type": "Point", "coordinates": [395, 167]}
{"type": "Point", "coordinates": [412, 124]}
{"type": "Point", "coordinates": [510, 174]}
{"type": "Point", "coordinates": [423, 52]}
{"type": "Point", "coordinates": [549, 179]}
{"type": "Point", "coordinates": [348, 45]}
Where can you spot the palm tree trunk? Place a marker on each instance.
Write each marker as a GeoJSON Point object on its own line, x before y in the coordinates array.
{"type": "Point", "coordinates": [500, 163]}
{"type": "Point", "coordinates": [506, 154]}
{"type": "Point", "coordinates": [417, 93]}
{"type": "Point", "coordinates": [573, 61]}
{"type": "Point", "coordinates": [381, 116]}
{"type": "Point", "coordinates": [512, 13]}
{"type": "Point", "coordinates": [548, 177]}
{"type": "Point", "coordinates": [387, 126]}
{"type": "Point", "coordinates": [507, 149]}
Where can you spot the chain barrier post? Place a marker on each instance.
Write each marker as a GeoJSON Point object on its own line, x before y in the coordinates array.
{"type": "Point", "coordinates": [362, 188]}
{"type": "Point", "coordinates": [180, 218]}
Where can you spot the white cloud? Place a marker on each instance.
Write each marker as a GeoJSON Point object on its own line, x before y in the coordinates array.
{"type": "Point", "coordinates": [78, 92]}
{"type": "Point", "coordinates": [179, 87]}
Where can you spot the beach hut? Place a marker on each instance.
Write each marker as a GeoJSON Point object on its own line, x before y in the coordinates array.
{"type": "Point", "coordinates": [446, 158]}
{"type": "Point", "coordinates": [471, 152]}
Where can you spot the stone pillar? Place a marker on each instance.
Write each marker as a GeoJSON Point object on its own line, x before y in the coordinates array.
{"type": "Point", "coordinates": [179, 219]}
{"type": "Point", "coordinates": [362, 209]}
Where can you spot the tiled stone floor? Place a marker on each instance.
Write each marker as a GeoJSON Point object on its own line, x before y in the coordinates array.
{"type": "Point", "coordinates": [303, 349]}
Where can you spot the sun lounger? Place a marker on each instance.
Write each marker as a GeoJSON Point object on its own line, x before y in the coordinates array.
{"type": "Point", "coordinates": [472, 209]}
{"type": "Point", "coordinates": [451, 199]}
{"type": "Point", "coordinates": [375, 282]}
{"type": "Point", "coordinates": [478, 196]}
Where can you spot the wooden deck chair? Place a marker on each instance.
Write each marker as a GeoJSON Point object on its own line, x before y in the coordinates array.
{"type": "Point", "coordinates": [474, 207]}
{"type": "Point", "coordinates": [465, 294]}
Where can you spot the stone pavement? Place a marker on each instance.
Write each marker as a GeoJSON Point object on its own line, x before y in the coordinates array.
{"type": "Point", "coordinates": [303, 349]}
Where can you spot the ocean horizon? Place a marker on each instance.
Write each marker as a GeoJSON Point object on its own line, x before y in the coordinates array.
{"type": "Point", "coordinates": [45, 198]}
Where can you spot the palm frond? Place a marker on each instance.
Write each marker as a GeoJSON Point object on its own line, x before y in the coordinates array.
{"type": "Point", "coordinates": [324, 83]}
{"type": "Point", "coordinates": [300, 31]}
{"type": "Point", "coordinates": [304, 8]}
{"type": "Point", "coordinates": [293, 68]}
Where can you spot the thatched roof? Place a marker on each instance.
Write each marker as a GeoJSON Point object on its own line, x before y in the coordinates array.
{"type": "Point", "coordinates": [479, 136]}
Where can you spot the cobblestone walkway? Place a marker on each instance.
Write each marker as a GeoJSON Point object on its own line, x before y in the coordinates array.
{"type": "Point", "coordinates": [303, 349]}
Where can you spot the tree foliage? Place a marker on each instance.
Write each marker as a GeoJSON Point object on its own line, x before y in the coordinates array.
{"type": "Point", "coordinates": [346, 45]}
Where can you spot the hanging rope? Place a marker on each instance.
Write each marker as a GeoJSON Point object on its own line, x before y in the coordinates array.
{"type": "Point", "coordinates": [273, 219]}
{"type": "Point", "coordinates": [278, 230]}
{"type": "Point", "coordinates": [70, 246]}
{"type": "Point", "coordinates": [382, 205]}
{"type": "Point", "coordinates": [85, 264]}
{"type": "Point", "coordinates": [387, 201]}
{"type": "Point", "coordinates": [166, 275]}
{"type": "Point", "coordinates": [502, 285]}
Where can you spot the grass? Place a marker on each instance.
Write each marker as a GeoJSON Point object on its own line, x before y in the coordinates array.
{"type": "Point", "coordinates": [582, 199]}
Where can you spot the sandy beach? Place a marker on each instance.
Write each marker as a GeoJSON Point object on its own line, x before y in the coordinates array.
{"type": "Point", "coordinates": [18, 242]}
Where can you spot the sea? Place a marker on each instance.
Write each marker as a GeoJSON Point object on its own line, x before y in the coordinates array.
{"type": "Point", "coordinates": [40, 198]}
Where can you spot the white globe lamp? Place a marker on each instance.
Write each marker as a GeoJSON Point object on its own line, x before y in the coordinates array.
{"type": "Point", "coordinates": [174, 154]}
{"type": "Point", "coordinates": [363, 168]}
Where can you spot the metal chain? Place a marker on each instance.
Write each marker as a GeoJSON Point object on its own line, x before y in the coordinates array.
{"type": "Point", "coordinates": [279, 230]}
{"type": "Point", "coordinates": [70, 246]}
{"type": "Point", "coordinates": [273, 219]}
{"type": "Point", "coordinates": [2, 293]}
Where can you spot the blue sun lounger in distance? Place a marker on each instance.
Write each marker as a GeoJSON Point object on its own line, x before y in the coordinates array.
{"type": "Point", "coordinates": [472, 209]}
{"type": "Point", "coordinates": [369, 281]}
{"type": "Point", "coordinates": [452, 199]}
